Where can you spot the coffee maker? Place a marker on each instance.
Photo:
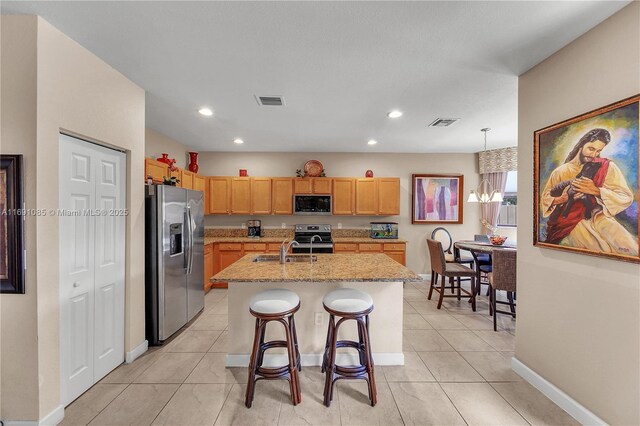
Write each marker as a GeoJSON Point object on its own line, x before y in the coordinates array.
{"type": "Point", "coordinates": [254, 229]}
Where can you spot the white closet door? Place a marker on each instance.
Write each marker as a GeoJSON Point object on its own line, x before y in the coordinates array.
{"type": "Point", "coordinates": [91, 264]}
{"type": "Point", "coordinates": [109, 262]}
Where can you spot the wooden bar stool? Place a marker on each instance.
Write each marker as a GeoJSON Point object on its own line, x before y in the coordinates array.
{"type": "Point", "coordinates": [274, 305]}
{"type": "Point", "coordinates": [348, 304]}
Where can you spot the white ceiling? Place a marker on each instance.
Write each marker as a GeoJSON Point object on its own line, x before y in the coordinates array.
{"type": "Point", "coordinates": [341, 66]}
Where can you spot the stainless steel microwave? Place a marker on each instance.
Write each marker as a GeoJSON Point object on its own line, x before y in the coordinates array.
{"type": "Point", "coordinates": [312, 204]}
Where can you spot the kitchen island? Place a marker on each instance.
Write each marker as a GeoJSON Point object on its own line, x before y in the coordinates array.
{"type": "Point", "coordinates": [376, 273]}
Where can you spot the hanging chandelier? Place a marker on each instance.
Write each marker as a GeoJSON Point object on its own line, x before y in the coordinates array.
{"type": "Point", "coordinates": [484, 192]}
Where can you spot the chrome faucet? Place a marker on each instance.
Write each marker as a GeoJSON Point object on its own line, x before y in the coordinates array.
{"type": "Point", "coordinates": [311, 246]}
{"type": "Point", "coordinates": [284, 250]}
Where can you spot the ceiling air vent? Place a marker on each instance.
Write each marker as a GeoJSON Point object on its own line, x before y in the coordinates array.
{"type": "Point", "coordinates": [270, 100]}
{"type": "Point", "coordinates": [443, 122]}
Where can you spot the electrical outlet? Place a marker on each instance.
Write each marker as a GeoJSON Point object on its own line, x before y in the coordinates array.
{"type": "Point", "coordinates": [244, 225]}
{"type": "Point", "coordinates": [318, 318]}
{"type": "Point", "coordinates": [339, 225]}
{"type": "Point", "coordinates": [283, 225]}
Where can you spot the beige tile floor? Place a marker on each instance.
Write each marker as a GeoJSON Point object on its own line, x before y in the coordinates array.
{"type": "Point", "coordinates": [457, 371]}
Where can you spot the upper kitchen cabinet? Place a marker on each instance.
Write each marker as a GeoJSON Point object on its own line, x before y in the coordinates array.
{"type": "Point", "coordinates": [186, 179]}
{"type": "Point", "coordinates": [321, 185]}
{"type": "Point", "coordinates": [156, 169]}
{"type": "Point", "coordinates": [282, 195]}
{"type": "Point", "coordinates": [312, 186]}
{"type": "Point", "coordinates": [260, 195]}
{"type": "Point", "coordinates": [219, 195]}
{"type": "Point", "coordinates": [199, 183]}
{"type": "Point", "coordinates": [343, 196]}
{"type": "Point", "coordinates": [388, 196]}
{"type": "Point", "coordinates": [366, 196]}
{"type": "Point", "coordinates": [240, 195]}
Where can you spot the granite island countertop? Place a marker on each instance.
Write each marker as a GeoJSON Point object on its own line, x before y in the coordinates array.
{"type": "Point", "coordinates": [211, 240]}
{"type": "Point", "coordinates": [354, 240]}
{"type": "Point", "coordinates": [347, 267]}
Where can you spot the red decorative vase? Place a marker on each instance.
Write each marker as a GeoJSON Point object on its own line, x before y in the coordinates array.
{"type": "Point", "coordinates": [193, 162]}
{"type": "Point", "coordinates": [368, 173]}
{"type": "Point", "coordinates": [165, 159]}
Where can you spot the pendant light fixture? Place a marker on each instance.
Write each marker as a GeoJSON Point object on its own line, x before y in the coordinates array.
{"type": "Point", "coordinates": [484, 192]}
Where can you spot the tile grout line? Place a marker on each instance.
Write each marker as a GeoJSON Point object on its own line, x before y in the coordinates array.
{"type": "Point", "coordinates": [226, 398]}
{"type": "Point", "coordinates": [105, 407]}
{"type": "Point", "coordinates": [510, 405]}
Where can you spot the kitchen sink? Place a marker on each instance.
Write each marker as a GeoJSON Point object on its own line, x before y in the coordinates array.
{"type": "Point", "coordinates": [290, 258]}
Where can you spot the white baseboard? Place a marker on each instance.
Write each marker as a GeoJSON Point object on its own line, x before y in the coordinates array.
{"type": "Point", "coordinates": [425, 277]}
{"type": "Point", "coordinates": [131, 356]}
{"type": "Point", "coordinates": [53, 418]}
{"type": "Point", "coordinates": [561, 399]}
{"type": "Point", "coordinates": [276, 360]}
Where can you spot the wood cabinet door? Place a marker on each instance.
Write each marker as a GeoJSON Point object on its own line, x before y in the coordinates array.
{"type": "Point", "coordinates": [219, 195]}
{"type": "Point", "coordinates": [367, 196]}
{"type": "Point", "coordinates": [187, 179]}
{"type": "Point", "coordinates": [208, 266]}
{"type": "Point", "coordinates": [240, 195]}
{"type": "Point", "coordinates": [389, 196]}
{"type": "Point", "coordinates": [343, 197]}
{"type": "Point", "coordinates": [302, 186]}
{"type": "Point", "coordinates": [229, 257]}
{"type": "Point", "coordinates": [321, 185]}
{"type": "Point", "coordinates": [198, 183]}
{"type": "Point", "coordinates": [156, 169]}
{"type": "Point", "coordinates": [398, 256]}
{"type": "Point", "coordinates": [260, 195]}
{"type": "Point", "coordinates": [282, 195]}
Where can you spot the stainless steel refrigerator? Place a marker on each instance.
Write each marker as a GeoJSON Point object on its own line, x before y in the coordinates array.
{"type": "Point", "coordinates": [174, 259]}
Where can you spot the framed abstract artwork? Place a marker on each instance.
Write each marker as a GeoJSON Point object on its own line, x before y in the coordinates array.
{"type": "Point", "coordinates": [11, 225]}
{"type": "Point", "coordinates": [586, 183]}
{"type": "Point", "coordinates": [436, 198]}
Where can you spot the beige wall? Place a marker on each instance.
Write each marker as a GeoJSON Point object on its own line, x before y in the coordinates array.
{"type": "Point", "coordinates": [18, 327]}
{"type": "Point", "coordinates": [579, 316]}
{"type": "Point", "coordinates": [355, 164]}
{"type": "Point", "coordinates": [156, 143]}
{"type": "Point", "coordinates": [79, 94]}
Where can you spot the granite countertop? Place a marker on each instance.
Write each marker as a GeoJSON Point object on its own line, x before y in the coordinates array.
{"type": "Point", "coordinates": [211, 240]}
{"type": "Point", "coordinates": [329, 268]}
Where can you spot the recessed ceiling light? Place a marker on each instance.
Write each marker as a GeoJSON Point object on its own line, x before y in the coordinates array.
{"type": "Point", "coordinates": [205, 111]}
{"type": "Point", "coordinates": [394, 114]}
{"type": "Point", "coordinates": [238, 141]}
{"type": "Point", "coordinates": [372, 142]}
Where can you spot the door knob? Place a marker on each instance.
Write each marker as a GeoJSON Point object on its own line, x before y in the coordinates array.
{"type": "Point", "coordinates": [76, 284]}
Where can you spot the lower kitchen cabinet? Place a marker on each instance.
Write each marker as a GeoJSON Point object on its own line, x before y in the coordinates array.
{"type": "Point", "coordinates": [208, 266]}
{"type": "Point", "coordinates": [396, 251]}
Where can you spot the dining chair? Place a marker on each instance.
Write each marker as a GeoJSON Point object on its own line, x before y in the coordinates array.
{"type": "Point", "coordinates": [451, 270]}
{"type": "Point", "coordinates": [503, 278]}
{"type": "Point", "coordinates": [442, 234]}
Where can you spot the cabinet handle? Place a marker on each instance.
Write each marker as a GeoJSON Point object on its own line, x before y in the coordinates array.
{"type": "Point", "coordinates": [76, 284]}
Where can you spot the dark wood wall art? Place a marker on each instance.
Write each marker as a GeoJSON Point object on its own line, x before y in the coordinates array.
{"type": "Point", "coordinates": [586, 183]}
{"type": "Point", "coordinates": [11, 225]}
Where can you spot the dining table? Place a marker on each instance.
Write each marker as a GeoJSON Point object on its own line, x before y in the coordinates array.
{"type": "Point", "coordinates": [479, 247]}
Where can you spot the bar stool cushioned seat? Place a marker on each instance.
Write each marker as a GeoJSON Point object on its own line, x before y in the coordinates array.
{"type": "Point", "coordinates": [274, 301]}
{"type": "Point", "coordinates": [347, 300]}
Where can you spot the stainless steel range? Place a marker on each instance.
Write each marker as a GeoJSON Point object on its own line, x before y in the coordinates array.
{"type": "Point", "coordinates": [313, 237]}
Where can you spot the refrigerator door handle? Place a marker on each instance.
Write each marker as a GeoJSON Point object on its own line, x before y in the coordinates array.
{"type": "Point", "coordinates": [192, 230]}
{"type": "Point", "coordinates": [186, 240]}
